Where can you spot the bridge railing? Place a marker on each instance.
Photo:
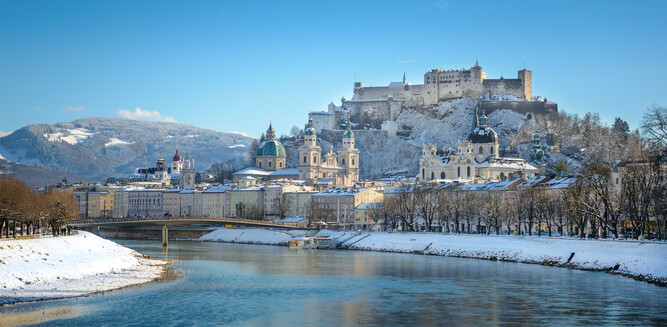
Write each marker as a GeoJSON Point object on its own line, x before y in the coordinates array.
{"type": "Point", "coordinates": [155, 219]}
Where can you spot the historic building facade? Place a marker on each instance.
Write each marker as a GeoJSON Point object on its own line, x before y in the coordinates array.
{"type": "Point", "coordinates": [476, 157]}
{"type": "Point", "coordinates": [342, 167]}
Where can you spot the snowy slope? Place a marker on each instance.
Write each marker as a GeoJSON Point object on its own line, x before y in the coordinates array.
{"type": "Point", "coordinates": [56, 267]}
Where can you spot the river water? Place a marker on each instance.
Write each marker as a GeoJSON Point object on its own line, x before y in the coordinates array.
{"type": "Point", "coordinates": [254, 285]}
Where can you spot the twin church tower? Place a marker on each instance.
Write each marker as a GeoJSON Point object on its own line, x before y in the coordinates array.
{"type": "Point", "coordinates": [342, 167]}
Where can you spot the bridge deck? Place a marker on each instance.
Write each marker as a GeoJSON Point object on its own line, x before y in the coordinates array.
{"type": "Point", "coordinates": [180, 221]}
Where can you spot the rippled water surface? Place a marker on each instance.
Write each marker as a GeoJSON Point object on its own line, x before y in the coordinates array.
{"type": "Point", "coordinates": [234, 284]}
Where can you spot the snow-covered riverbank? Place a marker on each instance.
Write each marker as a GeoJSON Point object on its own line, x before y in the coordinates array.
{"type": "Point", "coordinates": [645, 261]}
{"type": "Point", "coordinates": [69, 266]}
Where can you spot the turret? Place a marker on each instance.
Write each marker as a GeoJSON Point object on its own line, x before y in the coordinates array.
{"type": "Point", "coordinates": [309, 133]}
{"type": "Point", "coordinates": [348, 136]}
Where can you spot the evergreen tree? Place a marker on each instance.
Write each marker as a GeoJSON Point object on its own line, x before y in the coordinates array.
{"type": "Point", "coordinates": [561, 166]}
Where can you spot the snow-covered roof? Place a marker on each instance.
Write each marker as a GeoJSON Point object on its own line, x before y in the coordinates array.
{"type": "Point", "coordinates": [325, 181]}
{"type": "Point", "coordinates": [510, 163]}
{"type": "Point", "coordinates": [285, 171]}
{"type": "Point", "coordinates": [337, 192]}
{"type": "Point", "coordinates": [488, 186]}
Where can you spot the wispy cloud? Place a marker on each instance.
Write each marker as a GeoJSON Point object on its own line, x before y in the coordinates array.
{"type": "Point", "coordinates": [442, 4]}
{"type": "Point", "coordinates": [405, 61]}
{"type": "Point", "coordinates": [74, 108]}
{"type": "Point", "coordinates": [140, 114]}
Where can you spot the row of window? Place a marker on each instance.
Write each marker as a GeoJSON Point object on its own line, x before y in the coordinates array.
{"type": "Point", "coordinates": [443, 175]}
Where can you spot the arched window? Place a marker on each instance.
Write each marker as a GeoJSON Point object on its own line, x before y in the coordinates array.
{"type": "Point", "coordinates": [343, 162]}
{"type": "Point", "coordinates": [468, 171]}
{"type": "Point", "coordinates": [260, 164]}
{"type": "Point", "coordinates": [269, 164]}
{"type": "Point", "coordinates": [352, 161]}
{"type": "Point", "coordinates": [432, 175]}
{"type": "Point", "coordinates": [481, 150]}
{"type": "Point", "coordinates": [442, 175]}
{"type": "Point", "coordinates": [491, 150]}
{"type": "Point", "coordinates": [281, 164]}
{"type": "Point", "coordinates": [458, 171]}
{"type": "Point", "coordinates": [304, 160]}
{"type": "Point", "coordinates": [314, 159]}
{"type": "Point", "coordinates": [423, 173]}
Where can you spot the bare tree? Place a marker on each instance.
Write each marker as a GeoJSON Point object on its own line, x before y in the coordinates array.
{"type": "Point", "coordinates": [654, 126]}
{"type": "Point", "coordinates": [426, 201]}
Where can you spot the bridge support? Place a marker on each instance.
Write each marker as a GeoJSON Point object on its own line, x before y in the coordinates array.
{"type": "Point", "coordinates": [165, 236]}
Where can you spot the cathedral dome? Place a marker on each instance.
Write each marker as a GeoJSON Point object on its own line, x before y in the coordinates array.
{"type": "Point", "coordinates": [272, 148]}
{"type": "Point", "coordinates": [483, 134]}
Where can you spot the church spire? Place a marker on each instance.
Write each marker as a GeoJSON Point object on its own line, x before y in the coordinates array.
{"type": "Point", "coordinates": [403, 78]}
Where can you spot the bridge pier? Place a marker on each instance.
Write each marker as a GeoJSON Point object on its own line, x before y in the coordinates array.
{"type": "Point", "coordinates": [165, 236]}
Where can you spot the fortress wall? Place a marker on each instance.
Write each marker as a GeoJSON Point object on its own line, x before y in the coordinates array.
{"type": "Point", "coordinates": [524, 107]}
{"type": "Point", "coordinates": [322, 120]}
{"type": "Point", "coordinates": [504, 86]}
{"type": "Point", "coordinates": [372, 113]}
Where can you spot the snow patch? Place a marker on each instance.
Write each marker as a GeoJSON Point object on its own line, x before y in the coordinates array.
{"type": "Point", "coordinates": [236, 146]}
{"type": "Point", "coordinates": [248, 236]}
{"type": "Point", "coordinates": [18, 156]}
{"type": "Point", "coordinates": [71, 136]}
{"type": "Point", "coordinates": [115, 141]}
{"type": "Point", "coordinates": [68, 266]}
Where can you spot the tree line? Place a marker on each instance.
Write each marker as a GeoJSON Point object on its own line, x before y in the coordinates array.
{"type": "Point", "coordinates": [33, 210]}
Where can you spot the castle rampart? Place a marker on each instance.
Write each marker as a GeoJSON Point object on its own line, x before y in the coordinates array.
{"type": "Point", "coordinates": [440, 84]}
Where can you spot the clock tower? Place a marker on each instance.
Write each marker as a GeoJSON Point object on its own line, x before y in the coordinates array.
{"type": "Point", "coordinates": [188, 174]}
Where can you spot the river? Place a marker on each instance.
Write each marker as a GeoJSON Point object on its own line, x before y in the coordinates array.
{"type": "Point", "coordinates": [254, 285]}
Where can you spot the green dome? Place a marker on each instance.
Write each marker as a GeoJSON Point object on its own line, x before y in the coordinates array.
{"type": "Point", "coordinates": [271, 148]}
{"type": "Point", "coordinates": [348, 132]}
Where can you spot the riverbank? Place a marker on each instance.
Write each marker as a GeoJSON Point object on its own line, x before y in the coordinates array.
{"type": "Point", "coordinates": [643, 261]}
{"type": "Point", "coordinates": [69, 266]}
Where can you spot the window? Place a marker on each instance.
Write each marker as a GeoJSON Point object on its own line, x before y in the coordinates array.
{"type": "Point", "coordinates": [423, 174]}
{"type": "Point", "coordinates": [468, 171]}
{"type": "Point", "coordinates": [481, 150]}
{"type": "Point", "coordinates": [458, 171]}
{"type": "Point", "coordinates": [304, 160]}
{"type": "Point", "coordinates": [432, 175]}
{"type": "Point", "coordinates": [442, 175]}
{"type": "Point", "coordinates": [314, 159]}
{"type": "Point", "coordinates": [343, 161]}
{"type": "Point", "coordinates": [352, 161]}
{"type": "Point", "coordinates": [491, 150]}
{"type": "Point", "coordinates": [281, 164]}
{"type": "Point", "coordinates": [260, 164]}
{"type": "Point", "coordinates": [269, 164]}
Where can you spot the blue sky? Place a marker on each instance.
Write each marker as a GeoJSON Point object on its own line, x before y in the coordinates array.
{"type": "Point", "coordinates": [232, 66]}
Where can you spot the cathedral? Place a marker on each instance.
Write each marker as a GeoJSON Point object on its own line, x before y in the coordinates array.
{"type": "Point", "coordinates": [342, 167]}
{"type": "Point", "coordinates": [476, 157]}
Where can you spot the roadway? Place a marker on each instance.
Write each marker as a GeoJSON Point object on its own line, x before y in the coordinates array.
{"type": "Point", "coordinates": [171, 221]}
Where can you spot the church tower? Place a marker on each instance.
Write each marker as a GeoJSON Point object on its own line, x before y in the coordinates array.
{"type": "Point", "coordinates": [310, 155]}
{"type": "Point", "coordinates": [348, 156]}
{"type": "Point", "coordinates": [161, 174]}
{"type": "Point", "coordinates": [188, 174]}
{"type": "Point", "coordinates": [176, 164]}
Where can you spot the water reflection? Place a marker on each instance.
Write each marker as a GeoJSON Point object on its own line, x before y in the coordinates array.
{"type": "Point", "coordinates": [232, 284]}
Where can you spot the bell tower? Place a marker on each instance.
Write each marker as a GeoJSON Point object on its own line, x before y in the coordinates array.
{"type": "Point", "coordinates": [348, 156]}
{"type": "Point", "coordinates": [310, 155]}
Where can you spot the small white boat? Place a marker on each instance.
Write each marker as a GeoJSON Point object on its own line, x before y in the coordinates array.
{"type": "Point", "coordinates": [302, 243]}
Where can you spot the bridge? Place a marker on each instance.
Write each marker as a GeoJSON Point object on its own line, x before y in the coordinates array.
{"type": "Point", "coordinates": [171, 221]}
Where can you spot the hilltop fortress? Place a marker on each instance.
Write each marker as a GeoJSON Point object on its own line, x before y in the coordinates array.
{"type": "Point", "coordinates": [440, 84]}
{"type": "Point", "coordinates": [378, 107]}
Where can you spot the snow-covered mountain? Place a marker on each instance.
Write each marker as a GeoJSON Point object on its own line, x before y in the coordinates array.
{"type": "Point", "coordinates": [96, 148]}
